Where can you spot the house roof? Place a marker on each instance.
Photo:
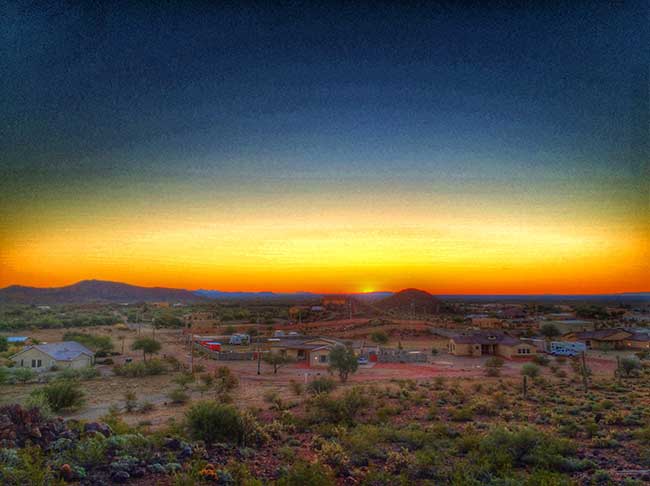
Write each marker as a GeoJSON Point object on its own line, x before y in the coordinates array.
{"type": "Point", "coordinates": [640, 336]}
{"type": "Point", "coordinates": [62, 351]}
{"type": "Point", "coordinates": [600, 333]}
{"type": "Point", "coordinates": [483, 338]}
{"type": "Point", "coordinates": [17, 339]}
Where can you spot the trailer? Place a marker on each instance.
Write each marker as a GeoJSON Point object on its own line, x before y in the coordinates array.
{"type": "Point", "coordinates": [239, 339]}
{"type": "Point", "coordinates": [213, 346]}
{"type": "Point", "coordinates": [565, 348]}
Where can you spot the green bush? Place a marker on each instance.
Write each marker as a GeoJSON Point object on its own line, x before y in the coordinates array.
{"type": "Point", "coordinates": [214, 422]}
{"type": "Point", "coordinates": [321, 385]}
{"type": "Point", "coordinates": [337, 410]}
{"type": "Point", "coordinates": [302, 473]}
{"type": "Point", "coordinates": [530, 369]}
{"type": "Point", "coordinates": [62, 394]}
{"type": "Point", "coordinates": [23, 375]}
{"type": "Point", "coordinates": [141, 368]}
{"type": "Point", "coordinates": [178, 396]}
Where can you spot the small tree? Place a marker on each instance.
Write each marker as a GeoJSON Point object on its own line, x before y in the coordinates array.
{"type": "Point", "coordinates": [147, 346]}
{"type": "Point", "coordinates": [549, 330]}
{"type": "Point", "coordinates": [530, 369]}
{"type": "Point", "coordinates": [343, 361]}
{"type": "Point", "coordinates": [629, 365]}
{"type": "Point", "coordinates": [379, 337]}
{"type": "Point", "coordinates": [4, 344]}
{"type": "Point", "coordinates": [276, 360]}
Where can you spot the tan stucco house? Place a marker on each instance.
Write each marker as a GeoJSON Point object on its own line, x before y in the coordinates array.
{"type": "Point", "coordinates": [42, 357]}
{"type": "Point", "coordinates": [490, 344]}
{"type": "Point", "coordinates": [312, 350]}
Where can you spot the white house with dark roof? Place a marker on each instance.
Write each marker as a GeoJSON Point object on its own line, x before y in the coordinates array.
{"type": "Point", "coordinates": [42, 357]}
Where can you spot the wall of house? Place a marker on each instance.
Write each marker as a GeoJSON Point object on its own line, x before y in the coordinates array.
{"type": "Point", "coordinates": [82, 361]}
{"type": "Point", "coordinates": [24, 360]}
{"type": "Point", "coordinates": [319, 358]}
{"type": "Point", "coordinates": [522, 350]}
{"type": "Point", "coordinates": [637, 344]}
{"type": "Point", "coordinates": [462, 349]}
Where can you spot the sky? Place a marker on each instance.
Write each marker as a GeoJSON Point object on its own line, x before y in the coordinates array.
{"type": "Point", "coordinates": [451, 147]}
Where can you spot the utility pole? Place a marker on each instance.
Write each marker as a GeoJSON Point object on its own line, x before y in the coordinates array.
{"type": "Point", "coordinates": [191, 349]}
{"type": "Point", "coordinates": [585, 380]}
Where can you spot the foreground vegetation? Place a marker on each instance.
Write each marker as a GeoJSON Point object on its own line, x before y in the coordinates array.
{"type": "Point", "coordinates": [437, 431]}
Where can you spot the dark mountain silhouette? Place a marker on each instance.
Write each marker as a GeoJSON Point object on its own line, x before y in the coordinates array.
{"type": "Point", "coordinates": [95, 291]}
{"type": "Point", "coordinates": [410, 300]}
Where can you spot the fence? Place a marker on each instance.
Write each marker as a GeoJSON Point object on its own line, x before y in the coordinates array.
{"type": "Point", "coordinates": [386, 355]}
{"type": "Point", "coordinates": [227, 356]}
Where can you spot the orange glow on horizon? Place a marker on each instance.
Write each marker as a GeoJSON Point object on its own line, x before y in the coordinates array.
{"type": "Point", "coordinates": [341, 253]}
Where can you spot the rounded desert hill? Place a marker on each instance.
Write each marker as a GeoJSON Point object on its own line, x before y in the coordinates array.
{"type": "Point", "coordinates": [410, 300]}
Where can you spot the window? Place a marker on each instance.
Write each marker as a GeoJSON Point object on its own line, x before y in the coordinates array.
{"type": "Point", "coordinates": [39, 363]}
{"type": "Point", "coordinates": [323, 358]}
{"type": "Point", "coordinates": [33, 363]}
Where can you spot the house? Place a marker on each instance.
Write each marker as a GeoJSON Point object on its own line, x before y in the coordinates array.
{"type": "Point", "coordinates": [491, 344]}
{"type": "Point", "coordinates": [638, 340]}
{"type": "Point", "coordinates": [312, 350]}
{"type": "Point", "coordinates": [42, 357]}
{"type": "Point", "coordinates": [602, 339]}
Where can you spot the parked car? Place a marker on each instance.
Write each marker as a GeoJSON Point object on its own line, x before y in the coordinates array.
{"type": "Point", "coordinates": [362, 360]}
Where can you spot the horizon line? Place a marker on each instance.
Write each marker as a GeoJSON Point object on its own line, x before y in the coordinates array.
{"type": "Point", "coordinates": [500, 294]}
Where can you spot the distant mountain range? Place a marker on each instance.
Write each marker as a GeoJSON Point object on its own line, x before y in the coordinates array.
{"type": "Point", "coordinates": [104, 291]}
{"type": "Point", "coordinates": [95, 291]}
{"type": "Point", "coordinates": [291, 296]}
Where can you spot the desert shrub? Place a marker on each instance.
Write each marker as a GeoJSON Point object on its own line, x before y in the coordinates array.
{"type": "Point", "coordinates": [379, 337]}
{"type": "Point", "coordinates": [302, 473]}
{"type": "Point", "coordinates": [213, 422]}
{"type": "Point", "coordinates": [630, 365]}
{"type": "Point", "coordinates": [141, 368]}
{"type": "Point", "coordinates": [62, 394]}
{"type": "Point", "coordinates": [333, 454]}
{"type": "Point", "coordinates": [226, 380]}
{"type": "Point", "coordinates": [23, 375]}
{"type": "Point", "coordinates": [337, 410]}
{"type": "Point", "coordinates": [321, 385]}
{"type": "Point", "coordinates": [296, 387]}
{"type": "Point", "coordinates": [39, 400]}
{"type": "Point", "coordinates": [184, 380]}
{"type": "Point", "coordinates": [541, 360]}
{"type": "Point", "coordinates": [88, 373]}
{"type": "Point", "coordinates": [178, 396]}
{"type": "Point", "coordinates": [529, 447]}
{"type": "Point", "coordinates": [4, 375]}
{"type": "Point", "coordinates": [462, 414]}
{"type": "Point", "coordinates": [493, 366]}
